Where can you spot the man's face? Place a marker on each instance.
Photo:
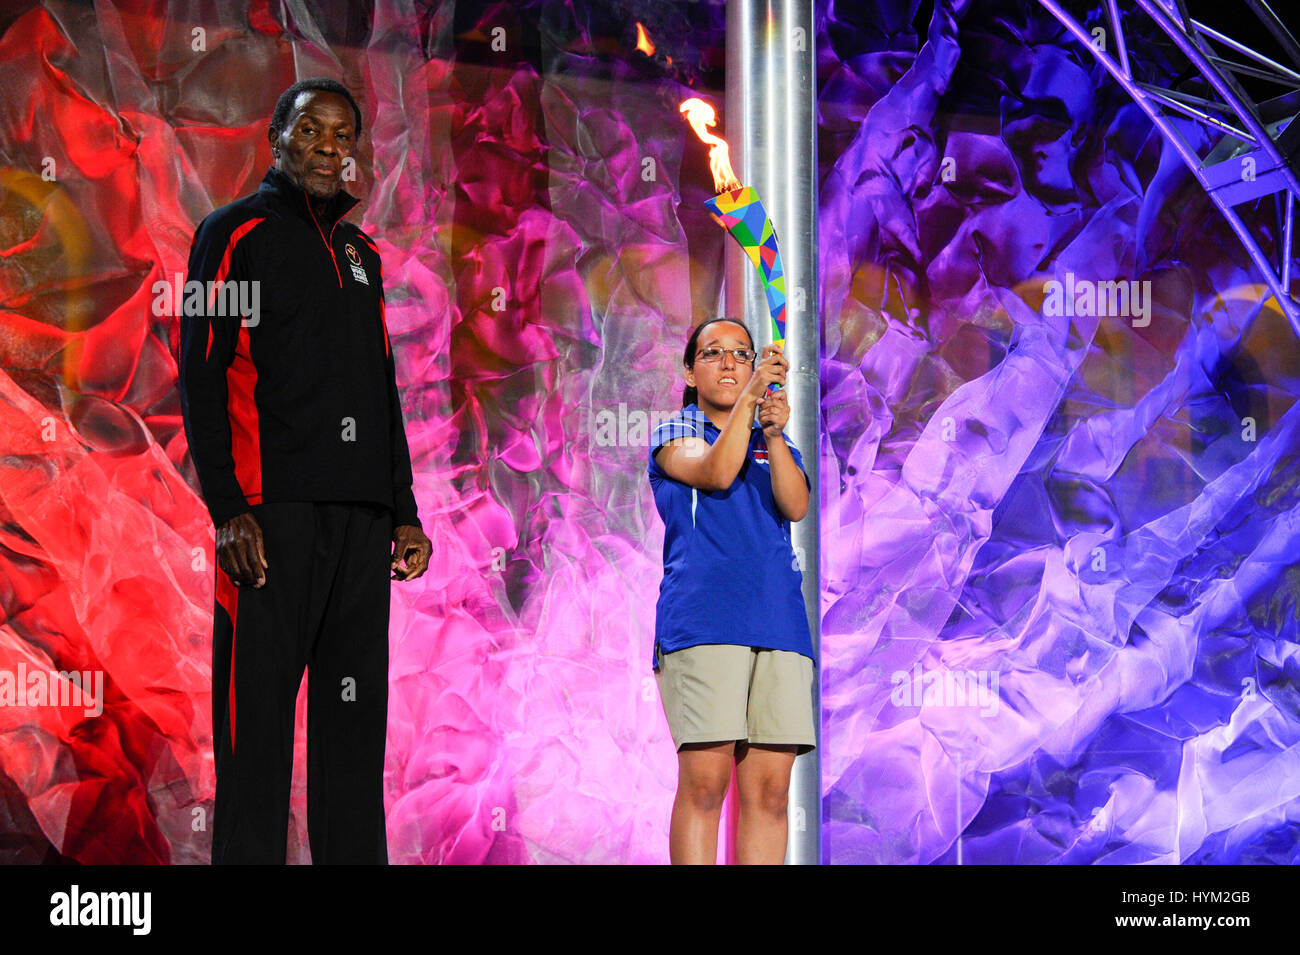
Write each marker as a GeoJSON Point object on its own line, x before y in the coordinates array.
{"type": "Point", "coordinates": [319, 135]}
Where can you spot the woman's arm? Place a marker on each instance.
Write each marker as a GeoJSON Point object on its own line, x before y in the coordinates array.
{"type": "Point", "coordinates": [711, 467]}
{"type": "Point", "coordinates": [789, 485]}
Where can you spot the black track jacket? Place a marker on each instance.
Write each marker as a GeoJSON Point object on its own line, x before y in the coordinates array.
{"type": "Point", "coordinates": [288, 388]}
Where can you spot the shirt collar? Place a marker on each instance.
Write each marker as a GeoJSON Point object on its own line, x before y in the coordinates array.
{"type": "Point", "coordinates": [693, 412]}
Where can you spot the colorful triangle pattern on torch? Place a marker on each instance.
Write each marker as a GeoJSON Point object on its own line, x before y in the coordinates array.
{"type": "Point", "coordinates": [741, 213]}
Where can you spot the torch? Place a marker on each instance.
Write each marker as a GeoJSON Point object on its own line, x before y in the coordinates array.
{"type": "Point", "coordinates": [738, 209]}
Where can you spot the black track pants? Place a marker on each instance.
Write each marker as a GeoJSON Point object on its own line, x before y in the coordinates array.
{"type": "Point", "coordinates": [324, 607]}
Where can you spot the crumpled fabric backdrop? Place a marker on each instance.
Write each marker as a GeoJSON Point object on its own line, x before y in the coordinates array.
{"type": "Point", "coordinates": [1070, 516]}
{"type": "Point", "coordinates": [1092, 530]}
{"type": "Point", "coordinates": [540, 280]}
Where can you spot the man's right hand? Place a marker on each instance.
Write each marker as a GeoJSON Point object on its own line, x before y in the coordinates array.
{"type": "Point", "coordinates": [240, 552]}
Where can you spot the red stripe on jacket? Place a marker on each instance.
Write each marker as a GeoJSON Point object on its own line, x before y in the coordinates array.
{"type": "Point", "coordinates": [224, 269]}
{"type": "Point", "coordinates": [383, 305]}
{"type": "Point", "coordinates": [245, 436]}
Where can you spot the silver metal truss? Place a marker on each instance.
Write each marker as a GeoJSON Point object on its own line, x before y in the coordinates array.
{"type": "Point", "coordinates": [1256, 145]}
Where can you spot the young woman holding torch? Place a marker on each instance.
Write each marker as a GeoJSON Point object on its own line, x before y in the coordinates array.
{"type": "Point", "coordinates": [733, 654]}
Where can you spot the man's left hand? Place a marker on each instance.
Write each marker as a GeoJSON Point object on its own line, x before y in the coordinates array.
{"type": "Point", "coordinates": [411, 550]}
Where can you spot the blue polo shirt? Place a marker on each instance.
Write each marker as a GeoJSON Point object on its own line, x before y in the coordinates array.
{"type": "Point", "coordinates": [730, 572]}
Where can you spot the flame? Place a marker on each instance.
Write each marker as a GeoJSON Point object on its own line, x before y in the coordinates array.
{"type": "Point", "coordinates": [647, 45]}
{"type": "Point", "coordinates": [643, 41]}
{"type": "Point", "coordinates": [701, 115]}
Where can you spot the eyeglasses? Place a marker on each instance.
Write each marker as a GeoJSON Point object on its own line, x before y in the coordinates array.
{"type": "Point", "coordinates": [743, 356]}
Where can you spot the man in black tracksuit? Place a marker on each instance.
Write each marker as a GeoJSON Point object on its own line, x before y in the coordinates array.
{"type": "Point", "coordinates": [288, 388]}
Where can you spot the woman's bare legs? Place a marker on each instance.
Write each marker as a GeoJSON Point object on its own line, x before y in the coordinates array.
{"type": "Point", "coordinates": [763, 784]}
{"type": "Point", "coordinates": [703, 777]}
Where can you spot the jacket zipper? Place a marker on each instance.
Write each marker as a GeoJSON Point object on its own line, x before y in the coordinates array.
{"type": "Point", "coordinates": [329, 243]}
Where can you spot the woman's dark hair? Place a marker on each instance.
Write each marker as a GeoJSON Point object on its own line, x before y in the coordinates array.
{"type": "Point", "coordinates": [689, 395]}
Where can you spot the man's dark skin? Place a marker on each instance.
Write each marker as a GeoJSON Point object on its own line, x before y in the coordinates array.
{"type": "Point", "coordinates": [310, 150]}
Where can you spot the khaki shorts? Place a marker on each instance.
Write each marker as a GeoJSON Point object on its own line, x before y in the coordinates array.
{"type": "Point", "coordinates": [717, 692]}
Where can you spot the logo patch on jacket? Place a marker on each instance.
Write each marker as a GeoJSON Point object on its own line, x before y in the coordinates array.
{"type": "Point", "coordinates": [760, 450]}
{"type": "Point", "coordinates": [354, 260]}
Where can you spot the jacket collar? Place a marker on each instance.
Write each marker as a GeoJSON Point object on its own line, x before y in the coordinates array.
{"type": "Point", "coordinates": [278, 185]}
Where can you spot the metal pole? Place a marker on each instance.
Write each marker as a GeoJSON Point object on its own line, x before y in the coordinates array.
{"type": "Point", "coordinates": [771, 127]}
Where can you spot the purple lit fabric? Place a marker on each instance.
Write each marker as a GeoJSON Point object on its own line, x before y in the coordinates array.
{"type": "Point", "coordinates": [542, 278]}
{"type": "Point", "coordinates": [1073, 506]}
